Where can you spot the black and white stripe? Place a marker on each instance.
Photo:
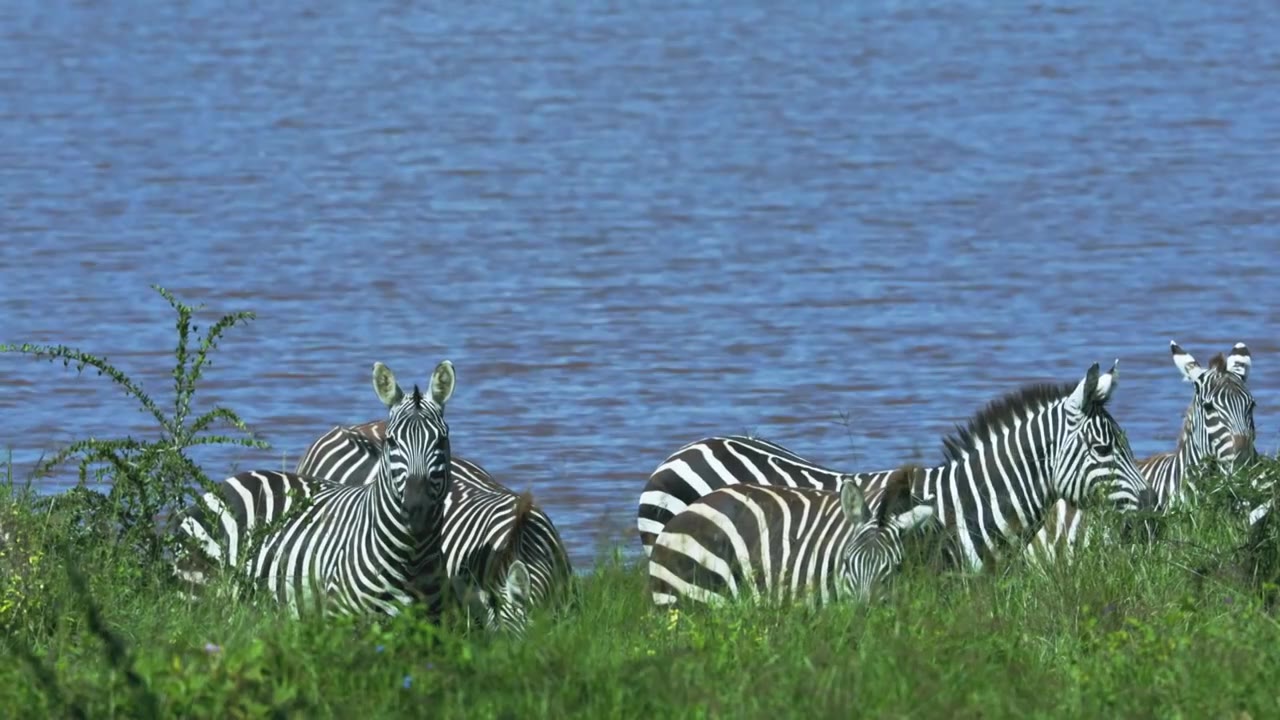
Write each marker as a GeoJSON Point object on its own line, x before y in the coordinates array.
{"type": "Point", "coordinates": [501, 551]}
{"type": "Point", "coordinates": [778, 543]}
{"type": "Point", "coordinates": [1217, 426]}
{"type": "Point", "coordinates": [1016, 457]}
{"type": "Point", "coordinates": [352, 549]}
{"type": "Point", "coordinates": [700, 468]}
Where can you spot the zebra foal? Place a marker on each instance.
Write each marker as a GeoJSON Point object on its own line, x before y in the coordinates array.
{"type": "Point", "coordinates": [783, 543]}
{"type": "Point", "coordinates": [371, 548]}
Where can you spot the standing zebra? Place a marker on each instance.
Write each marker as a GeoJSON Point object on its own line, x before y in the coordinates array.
{"type": "Point", "coordinates": [1017, 455]}
{"type": "Point", "coordinates": [784, 543]}
{"type": "Point", "coordinates": [1217, 425]}
{"type": "Point", "coordinates": [499, 547]}
{"type": "Point", "coordinates": [355, 549]}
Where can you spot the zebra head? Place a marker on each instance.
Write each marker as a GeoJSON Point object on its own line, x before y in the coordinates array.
{"type": "Point", "coordinates": [1093, 451]}
{"type": "Point", "coordinates": [415, 454]}
{"type": "Point", "coordinates": [873, 553]}
{"type": "Point", "coordinates": [1219, 421]}
{"type": "Point", "coordinates": [507, 609]}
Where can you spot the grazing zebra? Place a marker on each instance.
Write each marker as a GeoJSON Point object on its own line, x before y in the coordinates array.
{"type": "Point", "coordinates": [1017, 455]}
{"type": "Point", "coordinates": [499, 547]}
{"type": "Point", "coordinates": [350, 549]}
{"type": "Point", "coordinates": [1217, 425]}
{"type": "Point", "coordinates": [784, 543]}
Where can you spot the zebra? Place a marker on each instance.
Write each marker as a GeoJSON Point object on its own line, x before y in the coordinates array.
{"type": "Point", "coordinates": [499, 548]}
{"type": "Point", "coordinates": [1218, 425]}
{"type": "Point", "coordinates": [349, 550]}
{"type": "Point", "coordinates": [786, 543]}
{"type": "Point", "coordinates": [1022, 451]}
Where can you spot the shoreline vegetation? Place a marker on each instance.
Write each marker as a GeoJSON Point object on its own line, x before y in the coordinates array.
{"type": "Point", "coordinates": [94, 625]}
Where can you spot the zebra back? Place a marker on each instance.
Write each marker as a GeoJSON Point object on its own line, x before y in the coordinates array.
{"type": "Point", "coordinates": [699, 468]}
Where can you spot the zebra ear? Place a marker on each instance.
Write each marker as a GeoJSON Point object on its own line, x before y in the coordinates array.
{"type": "Point", "coordinates": [516, 589]}
{"type": "Point", "coordinates": [896, 497]}
{"type": "Point", "coordinates": [384, 383]}
{"type": "Point", "coordinates": [913, 518]}
{"type": "Point", "coordinates": [1085, 390]}
{"type": "Point", "coordinates": [852, 501]}
{"type": "Point", "coordinates": [442, 381]}
{"type": "Point", "coordinates": [1240, 361]}
{"type": "Point", "coordinates": [1107, 383]}
{"type": "Point", "coordinates": [1191, 370]}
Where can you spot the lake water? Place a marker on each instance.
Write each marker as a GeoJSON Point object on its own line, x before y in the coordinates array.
{"type": "Point", "coordinates": [631, 225]}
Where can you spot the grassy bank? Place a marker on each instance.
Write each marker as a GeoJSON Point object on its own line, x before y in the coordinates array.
{"type": "Point", "coordinates": [93, 628]}
{"type": "Point", "coordinates": [1120, 634]}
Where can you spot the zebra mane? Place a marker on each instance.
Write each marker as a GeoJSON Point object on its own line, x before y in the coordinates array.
{"type": "Point", "coordinates": [1221, 375]}
{"type": "Point", "coordinates": [417, 398]}
{"type": "Point", "coordinates": [999, 414]}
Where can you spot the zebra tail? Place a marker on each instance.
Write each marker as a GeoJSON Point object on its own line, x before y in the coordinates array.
{"type": "Point", "coordinates": [523, 509]}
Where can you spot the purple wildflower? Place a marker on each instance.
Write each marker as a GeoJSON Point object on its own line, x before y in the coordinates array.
{"type": "Point", "coordinates": [407, 682]}
{"type": "Point", "coordinates": [379, 648]}
{"type": "Point", "coordinates": [210, 648]}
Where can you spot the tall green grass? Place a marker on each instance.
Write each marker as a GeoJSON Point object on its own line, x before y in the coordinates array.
{"type": "Point", "coordinates": [92, 628]}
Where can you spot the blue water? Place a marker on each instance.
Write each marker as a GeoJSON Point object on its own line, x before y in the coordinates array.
{"type": "Point", "coordinates": [634, 225]}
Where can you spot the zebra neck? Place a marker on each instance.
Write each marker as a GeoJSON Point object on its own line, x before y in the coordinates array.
{"type": "Point", "coordinates": [1190, 456]}
{"type": "Point", "coordinates": [981, 472]}
{"type": "Point", "coordinates": [1193, 443]}
{"type": "Point", "coordinates": [390, 502]}
{"type": "Point", "coordinates": [1193, 449]}
{"type": "Point", "coordinates": [388, 484]}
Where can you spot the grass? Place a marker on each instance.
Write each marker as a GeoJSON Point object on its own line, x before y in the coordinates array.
{"type": "Point", "coordinates": [95, 629]}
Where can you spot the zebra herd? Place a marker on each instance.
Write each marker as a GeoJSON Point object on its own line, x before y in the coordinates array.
{"type": "Point", "coordinates": [382, 515]}
{"type": "Point", "coordinates": [1024, 468]}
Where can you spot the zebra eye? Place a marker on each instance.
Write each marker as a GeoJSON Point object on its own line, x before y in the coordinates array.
{"type": "Point", "coordinates": [1102, 449]}
{"type": "Point", "coordinates": [1207, 405]}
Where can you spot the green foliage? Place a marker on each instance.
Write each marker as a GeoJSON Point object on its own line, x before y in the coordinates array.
{"type": "Point", "coordinates": [1180, 628]}
{"type": "Point", "coordinates": [147, 478]}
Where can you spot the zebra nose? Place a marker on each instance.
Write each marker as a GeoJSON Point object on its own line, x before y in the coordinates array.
{"type": "Point", "coordinates": [1242, 445]}
{"type": "Point", "coordinates": [1245, 452]}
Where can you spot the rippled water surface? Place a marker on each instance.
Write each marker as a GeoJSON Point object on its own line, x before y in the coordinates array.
{"type": "Point", "coordinates": [633, 225]}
